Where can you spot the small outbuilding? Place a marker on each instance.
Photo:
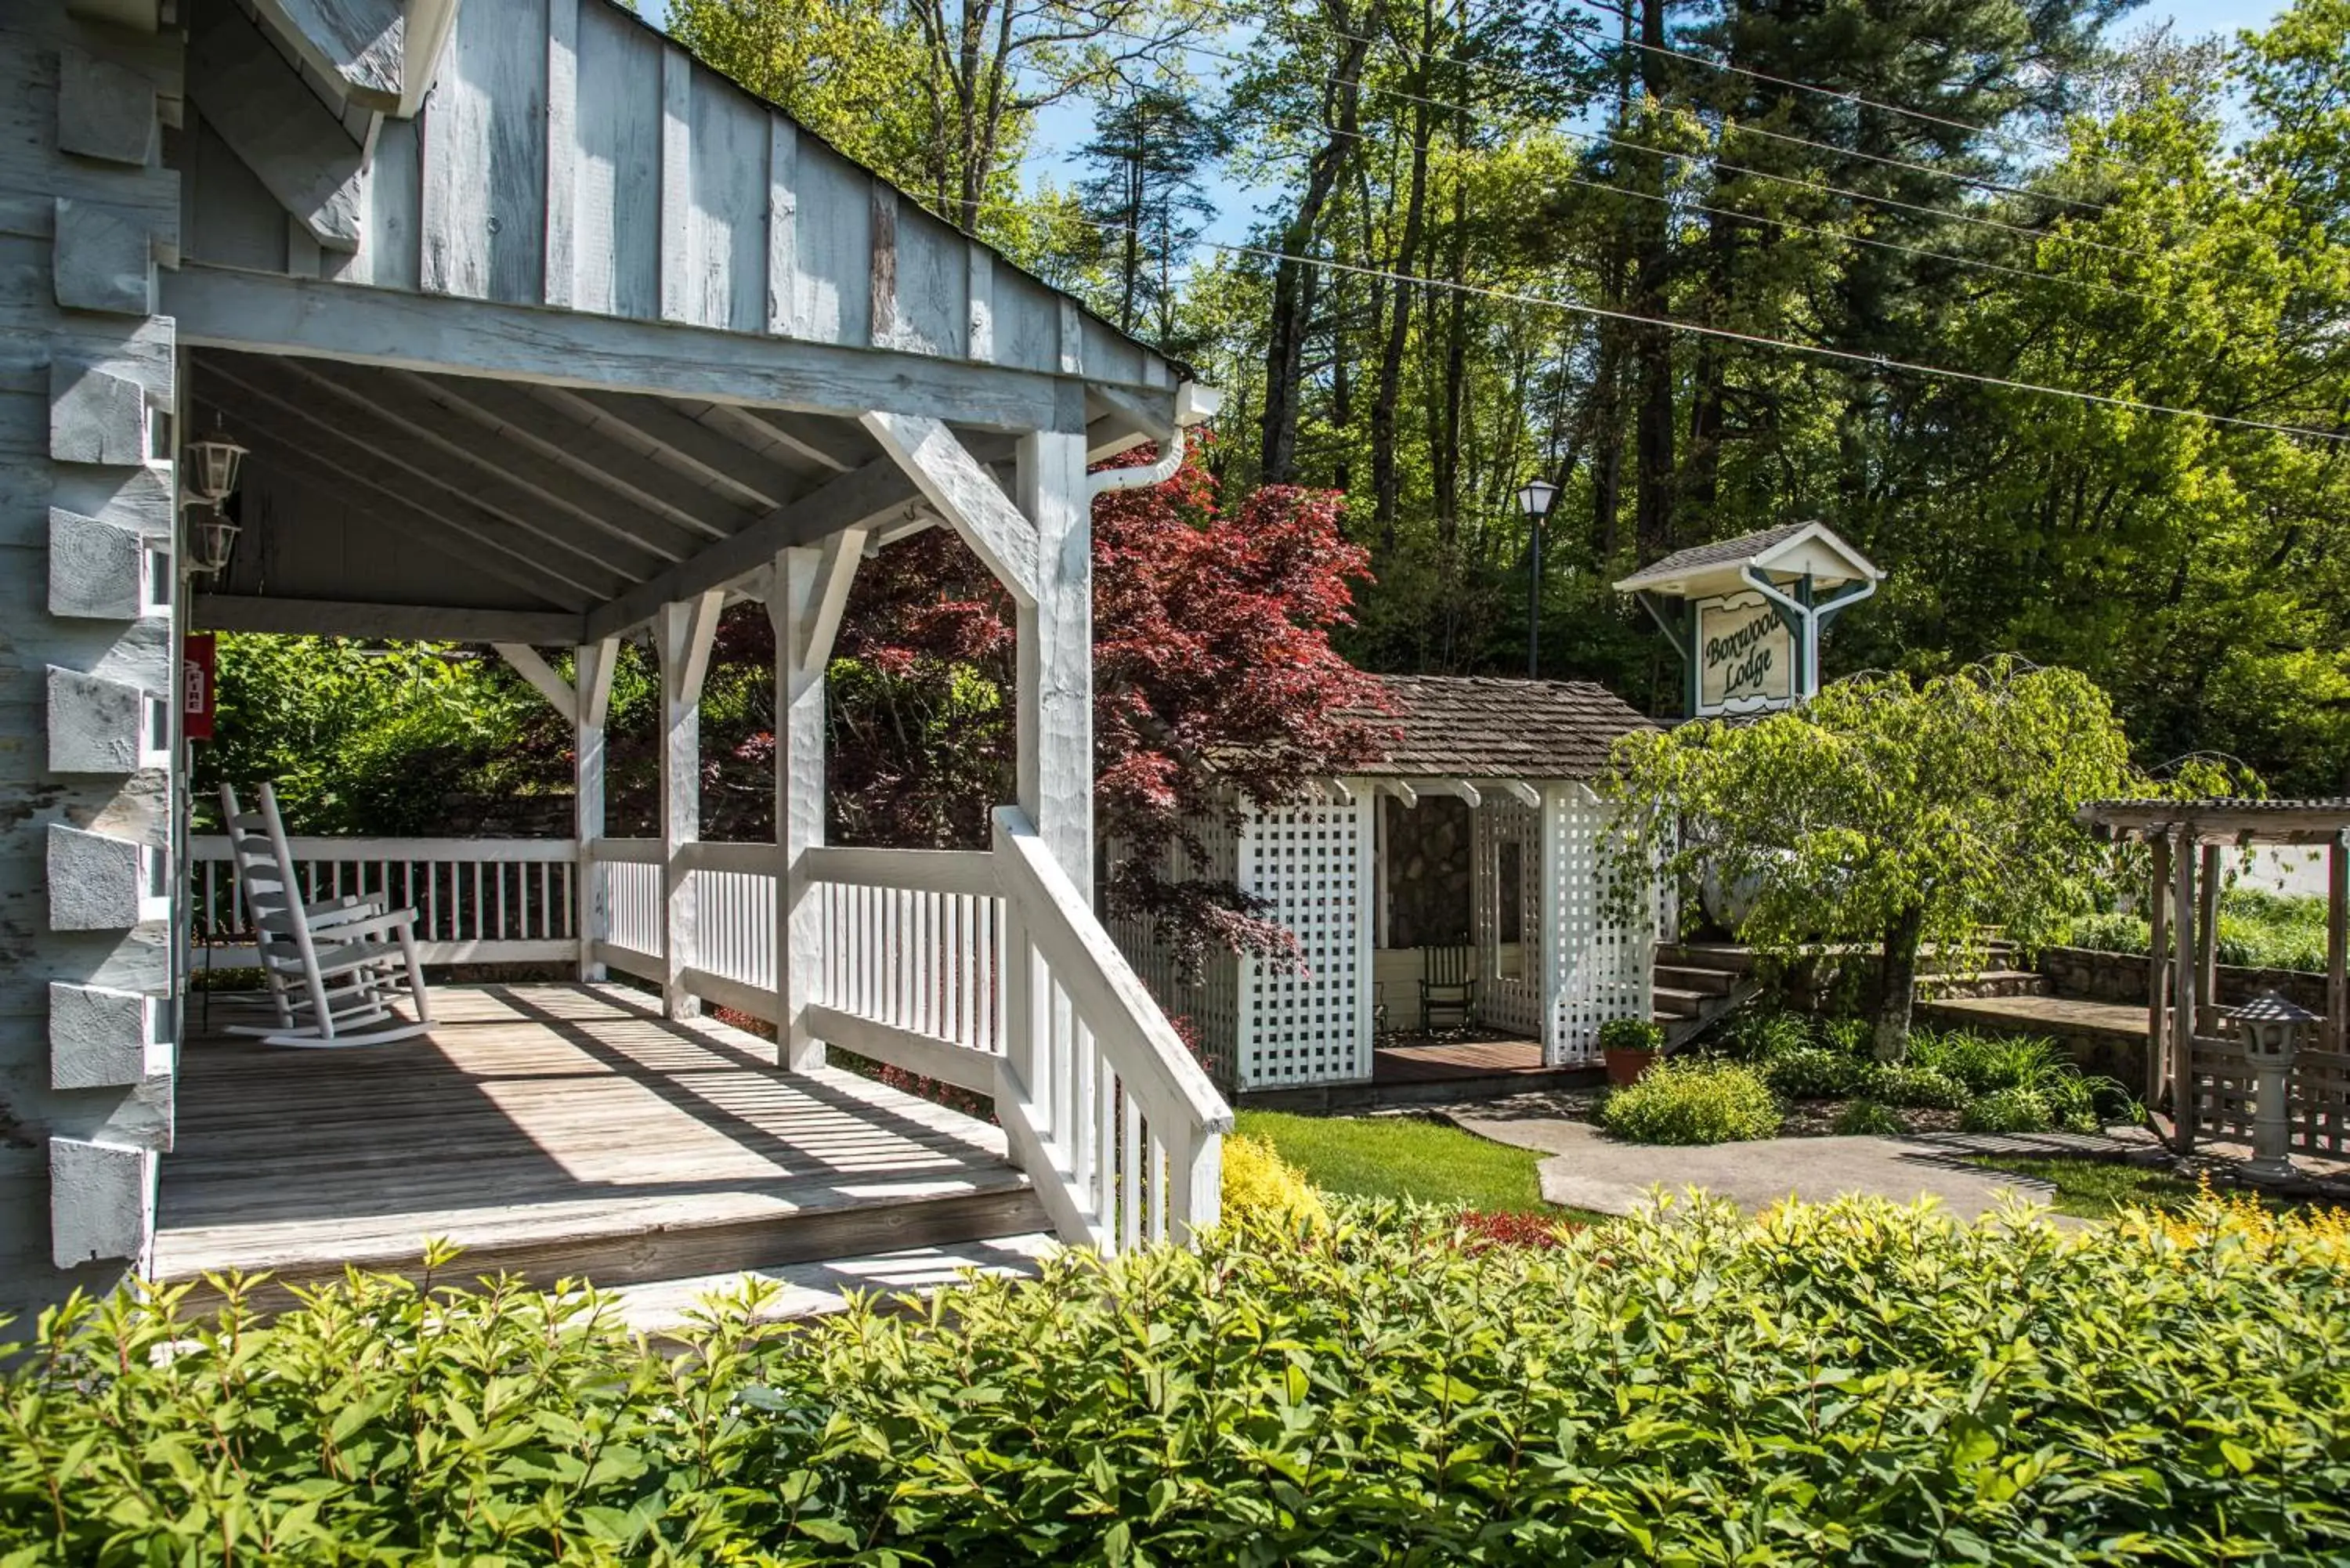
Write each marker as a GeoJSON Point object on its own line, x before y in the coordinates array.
{"type": "Point", "coordinates": [1470, 854]}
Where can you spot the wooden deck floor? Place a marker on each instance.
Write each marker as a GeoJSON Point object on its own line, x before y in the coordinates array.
{"type": "Point", "coordinates": [1409, 1060]}
{"type": "Point", "coordinates": [557, 1130]}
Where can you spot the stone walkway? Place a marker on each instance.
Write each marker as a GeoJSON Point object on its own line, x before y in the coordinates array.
{"type": "Point", "coordinates": [1585, 1171]}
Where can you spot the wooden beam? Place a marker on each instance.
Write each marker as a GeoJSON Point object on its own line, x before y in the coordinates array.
{"type": "Point", "coordinates": [829, 443]}
{"type": "Point", "coordinates": [399, 399]}
{"type": "Point", "coordinates": [856, 499]}
{"type": "Point", "coordinates": [1400, 790]}
{"type": "Point", "coordinates": [2158, 1001]}
{"type": "Point", "coordinates": [2206, 935]}
{"type": "Point", "coordinates": [397, 471]}
{"type": "Point", "coordinates": [224, 307]}
{"type": "Point", "coordinates": [836, 572]}
{"type": "Point", "coordinates": [1518, 790]}
{"type": "Point", "coordinates": [277, 126]}
{"type": "Point", "coordinates": [1053, 728]}
{"type": "Point", "coordinates": [966, 495]}
{"type": "Point", "coordinates": [676, 437]}
{"type": "Point", "coordinates": [601, 445]}
{"type": "Point", "coordinates": [591, 664]}
{"type": "Point", "coordinates": [357, 45]}
{"type": "Point", "coordinates": [2183, 998]}
{"type": "Point", "coordinates": [682, 634]}
{"type": "Point", "coordinates": [2337, 944]}
{"type": "Point", "coordinates": [393, 623]}
{"type": "Point", "coordinates": [480, 542]}
{"type": "Point", "coordinates": [527, 664]}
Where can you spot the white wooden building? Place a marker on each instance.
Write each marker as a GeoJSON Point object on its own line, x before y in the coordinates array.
{"type": "Point", "coordinates": [1511, 762]}
{"type": "Point", "coordinates": [541, 333]}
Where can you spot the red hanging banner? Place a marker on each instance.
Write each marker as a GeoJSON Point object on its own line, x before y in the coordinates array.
{"type": "Point", "coordinates": [196, 655]}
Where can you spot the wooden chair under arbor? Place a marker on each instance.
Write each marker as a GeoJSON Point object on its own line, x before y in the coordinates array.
{"type": "Point", "coordinates": [335, 967]}
{"type": "Point", "coordinates": [1448, 985]}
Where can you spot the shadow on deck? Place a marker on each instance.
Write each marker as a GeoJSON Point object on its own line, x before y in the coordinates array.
{"type": "Point", "coordinates": [557, 1131]}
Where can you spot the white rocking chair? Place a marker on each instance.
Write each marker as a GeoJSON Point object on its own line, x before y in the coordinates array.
{"type": "Point", "coordinates": [335, 967]}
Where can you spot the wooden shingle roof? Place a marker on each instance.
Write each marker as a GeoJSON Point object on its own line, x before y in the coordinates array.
{"type": "Point", "coordinates": [1475, 726]}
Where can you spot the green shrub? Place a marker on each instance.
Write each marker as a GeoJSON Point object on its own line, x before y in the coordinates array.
{"type": "Point", "coordinates": [2008, 1111]}
{"type": "Point", "coordinates": [1848, 1036]}
{"type": "Point", "coordinates": [1759, 1036]}
{"type": "Point", "coordinates": [2258, 929]}
{"type": "Point", "coordinates": [1696, 1101]}
{"type": "Point", "coordinates": [1816, 1072]}
{"type": "Point", "coordinates": [1916, 1088]}
{"type": "Point", "coordinates": [2112, 933]}
{"type": "Point", "coordinates": [1631, 1034]}
{"type": "Point", "coordinates": [1988, 1063]}
{"type": "Point", "coordinates": [1866, 1117]}
{"type": "Point", "coordinates": [1854, 1383]}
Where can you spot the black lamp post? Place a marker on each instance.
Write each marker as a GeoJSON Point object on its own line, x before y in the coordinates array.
{"type": "Point", "coordinates": [1533, 500]}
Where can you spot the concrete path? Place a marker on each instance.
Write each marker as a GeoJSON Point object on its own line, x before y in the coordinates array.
{"type": "Point", "coordinates": [1587, 1170]}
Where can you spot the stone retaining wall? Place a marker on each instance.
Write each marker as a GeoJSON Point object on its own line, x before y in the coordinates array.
{"type": "Point", "coordinates": [2097, 976]}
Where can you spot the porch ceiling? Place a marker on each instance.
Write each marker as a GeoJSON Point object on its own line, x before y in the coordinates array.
{"type": "Point", "coordinates": [382, 502]}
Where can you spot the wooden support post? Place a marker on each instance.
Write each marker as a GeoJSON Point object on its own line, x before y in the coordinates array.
{"type": "Point", "coordinates": [2157, 969]}
{"type": "Point", "coordinates": [2207, 941]}
{"type": "Point", "coordinates": [2338, 944]}
{"type": "Point", "coordinates": [2182, 998]}
{"type": "Point", "coordinates": [1054, 720]}
{"type": "Point", "coordinates": [591, 681]}
{"type": "Point", "coordinates": [1548, 970]}
{"type": "Point", "coordinates": [809, 591]}
{"type": "Point", "coordinates": [683, 631]}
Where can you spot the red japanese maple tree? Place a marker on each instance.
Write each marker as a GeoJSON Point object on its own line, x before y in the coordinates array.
{"type": "Point", "coordinates": [1215, 679]}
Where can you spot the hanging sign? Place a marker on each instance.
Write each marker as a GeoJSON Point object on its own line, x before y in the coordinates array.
{"type": "Point", "coordinates": [1745, 653]}
{"type": "Point", "coordinates": [197, 659]}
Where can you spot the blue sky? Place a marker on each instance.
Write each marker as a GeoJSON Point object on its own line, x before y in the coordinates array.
{"type": "Point", "coordinates": [1064, 129]}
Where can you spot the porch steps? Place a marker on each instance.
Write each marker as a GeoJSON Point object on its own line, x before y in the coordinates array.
{"type": "Point", "coordinates": [666, 1309]}
{"type": "Point", "coordinates": [1694, 985]}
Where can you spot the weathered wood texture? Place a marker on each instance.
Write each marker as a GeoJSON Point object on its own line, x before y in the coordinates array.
{"type": "Point", "coordinates": [85, 211]}
{"type": "Point", "coordinates": [561, 1130]}
{"type": "Point", "coordinates": [570, 155]}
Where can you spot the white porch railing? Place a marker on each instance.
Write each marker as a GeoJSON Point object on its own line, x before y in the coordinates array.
{"type": "Point", "coordinates": [477, 900]}
{"type": "Point", "coordinates": [982, 969]}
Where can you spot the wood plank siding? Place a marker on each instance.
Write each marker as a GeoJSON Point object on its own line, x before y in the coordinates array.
{"type": "Point", "coordinates": [570, 155]}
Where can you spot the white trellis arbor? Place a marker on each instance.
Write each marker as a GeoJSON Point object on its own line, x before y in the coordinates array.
{"type": "Point", "coordinates": [1513, 875]}
{"type": "Point", "coordinates": [541, 333]}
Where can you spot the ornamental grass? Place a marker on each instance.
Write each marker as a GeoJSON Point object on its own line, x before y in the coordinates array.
{"type": "Point", "coordinates": [1852, 1383]}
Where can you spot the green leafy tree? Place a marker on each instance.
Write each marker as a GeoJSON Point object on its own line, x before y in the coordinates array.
{"type": "Point", "coordinates": [1886, 811]}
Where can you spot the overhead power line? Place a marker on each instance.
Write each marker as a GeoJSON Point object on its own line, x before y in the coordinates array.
{"type": "Point", "coordinates": [1716, 161]}
{"type": "Point", "coordinates": [1752, 340]}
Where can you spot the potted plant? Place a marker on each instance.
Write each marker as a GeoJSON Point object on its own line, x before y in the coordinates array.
{"type": "Point", "coordinates": [1628, 1046]}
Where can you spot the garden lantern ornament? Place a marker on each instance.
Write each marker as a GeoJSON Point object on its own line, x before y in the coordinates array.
{"type": "Point", "coordinates": [2273, 1028]}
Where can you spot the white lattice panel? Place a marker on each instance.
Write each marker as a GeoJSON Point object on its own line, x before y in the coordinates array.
{"type": "Point", "coordinates": [1206, 1005]}
{"type": "Point", "coordinates": [1311, 864]}
{"type": "Point", "coordinates": [1601, 966]}
{"type": "Point", "coordinates": [1513, 1003]}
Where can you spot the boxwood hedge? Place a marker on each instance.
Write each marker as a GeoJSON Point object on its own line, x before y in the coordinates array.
{"type": "Point", "coordinates": [1847, 1383]}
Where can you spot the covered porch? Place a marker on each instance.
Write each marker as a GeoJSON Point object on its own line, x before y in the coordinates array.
{"type": "Point", "coordinates": [573, 341]}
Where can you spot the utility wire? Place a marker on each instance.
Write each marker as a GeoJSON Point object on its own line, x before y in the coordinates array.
{"type": "Point", "coordinates": [1848, 356]}
{"type": "Point", "coordinates": [1717, 161]}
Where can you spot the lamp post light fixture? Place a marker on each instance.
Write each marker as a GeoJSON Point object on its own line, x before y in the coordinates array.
{"type": "Point", "coordinates": [2273, 1027]}
{"type": "Point", "coordinates": [1533, 499]}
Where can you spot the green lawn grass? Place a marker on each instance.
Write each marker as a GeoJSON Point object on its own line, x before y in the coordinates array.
{"type": "Point", "coordinates": [2097, 1189]}
{"type": "Point", "coordinates": [1404, 1156]}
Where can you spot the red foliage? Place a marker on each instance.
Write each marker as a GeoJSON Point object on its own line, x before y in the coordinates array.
{"type": "Point", "coordinates": [1480, 1231]}
{"type": "Point", "coordinates": [1215, 679]}
{"type": "Point", "coordinates": [1213, 674]}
